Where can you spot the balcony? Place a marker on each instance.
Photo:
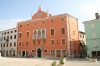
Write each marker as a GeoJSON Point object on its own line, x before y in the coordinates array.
{"type": "Point", "coordinates": [43, 36]}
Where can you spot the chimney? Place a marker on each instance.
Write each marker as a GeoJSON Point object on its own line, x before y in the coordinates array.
{"type": "Point", "coordinates": [40, 8]}
{"type": "Point", "coordinates": [97, 15]}
{"type": "Point", "coordinates": [47, 13]}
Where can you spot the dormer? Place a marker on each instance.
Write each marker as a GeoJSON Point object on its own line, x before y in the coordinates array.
{"type": "Point", "coordinates": [40, 14]}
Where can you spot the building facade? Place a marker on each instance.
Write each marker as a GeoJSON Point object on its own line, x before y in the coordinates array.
{"type": "Point", "coordinates": [92, 36]}
{"type": "Point", "coordinates": [8, 42]}
{"type": "Point", "coordinates": [48, 35]}
{"type": "Point", "coordinates": [83, 48]}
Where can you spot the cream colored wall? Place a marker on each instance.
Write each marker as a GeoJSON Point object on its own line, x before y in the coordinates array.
{"type": "Point", "coordinates": [81, 38]}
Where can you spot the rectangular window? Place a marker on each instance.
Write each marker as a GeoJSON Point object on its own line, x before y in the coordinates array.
{"type": "Point", "coordinates": [20, 35]}
{"type": "Point", "coordinates": [80, 36]}
{"type": "Point", "coordinates": [27, 43]}
{"type": "Point", "coordinates": [83, 36]}
{"type": "Point", "coordinates": [63, 41]}
{"type": "Point", "coordinates": [10, 44]}
{"type": "Point", "coordinates": [52, 52]}
{"type": "Point", "coordinates": [52, 42]}
{"type": "Point", "coordinates": [14, 44]}
{"type": "Point", "coordinates": [63, 52]}
{"type": "Point", "coordinates": [7, 32]}
{"type": "Point", "coordinates": [35, 23]}
{"type": "Point", "coordinates": [74, 51]}
{"type": "Point", "coordinates": [20, 43]}
{"type": "Point", "coordinates": [73, 32]}
{"type": "Point", "coordinates": [1, 44]}
{"type": "Point", "coordinates": [7, 45]}
{"type": "Point", "coordinates": [63, 30]}
{"type": "Point", "coordinates": [4, 45]}
{"type": "Point", "coordinates": [14, 36]}
{"type": "Point", "coordinates": [10, 37]}
{"type": "Point", "coordinates": [4, 38]}
{"type": "Point", "coordinates": [52, 31]}
{"type": "Point", "coordinates": [27, 34]}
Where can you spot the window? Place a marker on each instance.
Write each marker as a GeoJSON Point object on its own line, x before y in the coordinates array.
{"type": "Point", "coordinates": [14, 44]}
{"type": "Point", "coordinates": [52, 42]}
{"type": "Point", "coordinates": [14, 36]}
{"type": "Point", "coordinates": [20, 35]}
{"type": "Point", "coordinates": [7, 32]}
{"type": "Point", "coordinates": [45, 50]}
{"type": "Point", "coordinates": [34, 23]}
{"type": "Point", "coordinates": [52, 52]}
{"type": "Point", "coordinates": [51, 21]}
{"type": "Point", "coordinates": [92, 26]}
{"type": "Point", "coordinates": [10, 37]}
{"type": "Point", "coordinates": [63, 52]}
{"type": "Point", "coordinates": [39, 14]}
{"type": "Point", "coordinates": [43, 22]}
{"type": "Point", "coordinates": [20, 43]}
{"type": "Point", "coordinates": [4, 38]}
{"type": "Point", "coordinates": [32, 50]}
{"type": "Point", "coordinates": [63, 41]}
{"type": "Point", "coordinates": [83, 36]}
{"type": "Point", "coordinates": [80, 35]}
{"type": "Point", "coordinates": [27, 34]}
{"type": "Point", "coordinates": [63, 30]}
{"type": "Point", "coordinates": [20, 25]}
{"type": "Point", "coordinates": [73, 32]}
{"type": "Point", "coordinates": [74, 51]}
{"type": "Point", "coordinates": [52, 31]}
{"type": "Point", "coordinates": [94, 35]}
{"type": "Point", "coordinates": [27, 43]}
{"type": "Point", "coordinates": [10, 44]}
{"type": "Point", "coordinates": [62, 19]}
{"type": "Point", "coordinates": [11, 31]}
{"type": "Point", "coordinates": [95, 45]}
{"type": "Point", "coordinates": [4, 45]}
{"type": "Point", "coordinates": [7, 45]}
{"type": "Point", "coordinates": [15, 30]}
{"type": "Point", "coordinates": [27, 24]}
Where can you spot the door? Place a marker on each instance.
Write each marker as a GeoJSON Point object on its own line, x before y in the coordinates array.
{"type": "Point", "coordinates": [39, 52]}
{"type": "Point", "coordinates": [58, 52]}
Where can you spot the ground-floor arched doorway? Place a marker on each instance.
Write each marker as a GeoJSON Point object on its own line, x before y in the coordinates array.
{"type": "Point", "coordinates": [38, 52]}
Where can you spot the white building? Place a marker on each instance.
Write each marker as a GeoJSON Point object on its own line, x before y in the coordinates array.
{"type": "Point", "coordinates": [9, 42]}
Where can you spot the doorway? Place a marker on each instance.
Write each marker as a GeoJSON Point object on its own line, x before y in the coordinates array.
{"type": "Point", "coordinates": [39, 52]}
{"type": "Point", "coordinates": [93, 53]}
{"type": "Point", "coordinates": [23, 53]}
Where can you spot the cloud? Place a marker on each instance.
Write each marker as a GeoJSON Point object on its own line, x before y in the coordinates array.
{"type": "Point", "coordinates": [8, 24]}
{"type": "Point", "coordinates": [90, 10]}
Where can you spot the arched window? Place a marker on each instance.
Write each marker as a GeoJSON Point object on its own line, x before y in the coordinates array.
{"type": "Point", "coordinates": [43, 32]}
{"type": "Point", "coordinates": [39, 32]}
{"type": "Point", "coordinates": [35, 33]}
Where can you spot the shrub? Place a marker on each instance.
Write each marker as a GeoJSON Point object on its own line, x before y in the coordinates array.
{"type": "Point", "coordinates": [61, 60]}
{"type": "Point", "coordinates": [94, 57]}
{"type": "Point", "coordinates": [54, 63]}
{"type": "Point", "coordinates": [88, 56]}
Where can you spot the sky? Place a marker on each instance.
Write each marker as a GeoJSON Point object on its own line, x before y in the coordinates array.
{"type": "Point", "coordinates": [13, 11]}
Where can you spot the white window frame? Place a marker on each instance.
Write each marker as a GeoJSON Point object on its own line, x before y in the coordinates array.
{"type": "Point", "coordinates": [50, 31]}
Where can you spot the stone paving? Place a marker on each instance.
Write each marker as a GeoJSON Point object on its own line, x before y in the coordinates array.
{"type": "Point", "coordinates": [6, 61]}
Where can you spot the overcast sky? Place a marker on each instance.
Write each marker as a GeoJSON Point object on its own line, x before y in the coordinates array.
{"type": "Point", "coordinates": [13, 11]}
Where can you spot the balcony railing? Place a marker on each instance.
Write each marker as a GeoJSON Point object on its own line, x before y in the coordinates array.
{"type": "Point", "coordinates": [39, 36]}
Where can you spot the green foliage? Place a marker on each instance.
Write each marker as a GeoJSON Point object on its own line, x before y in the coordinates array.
{"type": "Point", "coordinates": [88, 56]}
{"type": "Point", "coordinates": [54, 63]}
{"type": "Point", "coordinates": [94, 57]}
{"type": "Point", "coordinates": [61, 60]}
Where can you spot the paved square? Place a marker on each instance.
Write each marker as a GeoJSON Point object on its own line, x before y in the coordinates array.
{"type": "Point", "coordinates": [6, 61]}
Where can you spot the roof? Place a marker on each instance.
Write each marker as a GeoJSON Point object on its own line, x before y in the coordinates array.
{"type": "Point", "coordinates": [90, 21]}
{"type": "Point", "coordinates": [81, 32]}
